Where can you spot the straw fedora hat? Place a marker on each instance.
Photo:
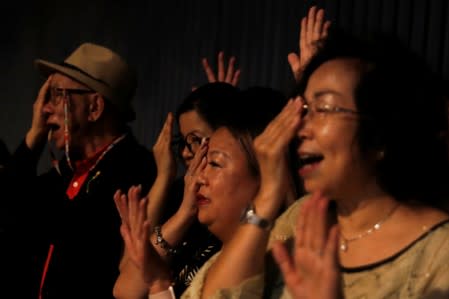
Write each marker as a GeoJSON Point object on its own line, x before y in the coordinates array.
{"type": "Point", "coordinates": [100, 69]}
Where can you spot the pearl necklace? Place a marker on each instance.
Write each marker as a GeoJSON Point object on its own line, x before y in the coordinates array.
{"type": "Point", "coordinates": [344, 240]}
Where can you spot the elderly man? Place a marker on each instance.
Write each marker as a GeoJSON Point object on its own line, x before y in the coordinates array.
{"type": "Point", "coordinates": [83, 108]}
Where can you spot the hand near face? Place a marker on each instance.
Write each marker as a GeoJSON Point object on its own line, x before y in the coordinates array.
{"type": "Point", "coordinates": [313, 29]}
{"type": "Point", "coordinates": [271, 148]}
{"type": "Point", "coordinates": [312, 271]}
{"type": "Point", "coordinates": [230, 76]}
{"type": "Point", "coordinates": [135, 232]}
{"type": "Point", "coordinates": [191, 186]}
{"type": "Point", "coordinates": [39, 129]}
{"type": "Point", "coordinates": [165, 160]}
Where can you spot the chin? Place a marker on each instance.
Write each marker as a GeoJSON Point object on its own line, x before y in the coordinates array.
{"type": "Point", "coordinates": [203, 219]}
{"type": "Point", "coordinates": [311, 186]}
{"type": "Point", "coordinates": [59, 144]}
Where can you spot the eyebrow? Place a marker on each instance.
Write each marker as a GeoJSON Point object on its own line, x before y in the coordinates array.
{"type": "Point", "coordinates": [219, 152]}
{"type": "Point", "coordinates": [324, 92]}
{"type": "Point", "coordinates": [197, 133]}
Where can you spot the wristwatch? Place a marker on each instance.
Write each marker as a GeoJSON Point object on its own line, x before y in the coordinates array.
{"type": "Point", "coordinates": [249, 216]}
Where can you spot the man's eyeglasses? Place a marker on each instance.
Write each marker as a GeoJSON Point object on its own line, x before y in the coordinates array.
{"type": "Point", "coordinates": [191, 141]}
{"type": "Point", "coordinates": [56, 94]}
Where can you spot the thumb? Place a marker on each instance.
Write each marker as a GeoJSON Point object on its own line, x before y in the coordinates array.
{"type": "Point", "coordinates": [293, 60]}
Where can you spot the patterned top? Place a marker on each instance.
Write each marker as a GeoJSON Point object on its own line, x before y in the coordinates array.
{"type": "Point", "coordinates": [196, 249]}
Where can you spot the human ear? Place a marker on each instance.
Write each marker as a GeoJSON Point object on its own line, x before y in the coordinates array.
{"type": "Point", "coordinates": [96, 107]}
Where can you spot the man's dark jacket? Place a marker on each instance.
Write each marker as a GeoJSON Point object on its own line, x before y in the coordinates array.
{"type": "Point", "coordinates": [84, 232]}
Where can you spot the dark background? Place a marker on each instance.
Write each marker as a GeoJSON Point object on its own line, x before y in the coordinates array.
{"type": "Point", "coordinates": [165, 41]}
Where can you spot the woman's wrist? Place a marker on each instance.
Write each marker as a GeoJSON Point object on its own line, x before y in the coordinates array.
{"type": "Point", "coordinates": [186, 214]}
{"type": "Point", "coordinates": [268, 203]}
{"type": "Point", "coordinates": [159, 285]}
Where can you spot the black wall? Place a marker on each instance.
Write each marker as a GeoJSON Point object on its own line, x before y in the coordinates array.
{"type": "Point", "coordinates": [165, 40]}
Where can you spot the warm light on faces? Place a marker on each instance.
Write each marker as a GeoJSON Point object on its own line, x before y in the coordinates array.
{"type": "Point", "coordinates": [191, 123]}
{"type": "Point", "coordinates": [329, 152]}
{"type": "Point", "coordinates": [226, 185]}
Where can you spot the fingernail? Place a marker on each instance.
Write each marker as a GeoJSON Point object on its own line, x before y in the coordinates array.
{"type": "Point", "coordinates": [204, 140]}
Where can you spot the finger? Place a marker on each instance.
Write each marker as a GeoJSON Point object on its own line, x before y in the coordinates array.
{"type": "Point", "coordinates": [208, 70]}
{"type": "Point", "coordinates": [44, 89]}
{"type": "Point", "coordinates": [168, 129]}
{"type": "Point", "coordinates": [318, 25]}
{"type": "Point", "coordinates": [141, 217]}
{"type": "Point", "coordinates": [119, 204]}
{"type": "Point", "coordinates": [290, 273]}
{"type": "Point", "coordinates": [310, 23]}
{"type": "Point", "coordinates": [126, 235]}
{"type": "Point", "coordinates": [146, 231]}
{"type": "Point", "coordinates": [202, 164]}
{"type": "Point", "coordinates": [236, 78]}
{"type": "Point", "coordinates": [285, 125]}
{"type": "Point", "coordinates": [230, 71]}
{"type": "Point", "coordinates": [325, 30]}
{"type": "Point", "coordinates": [274, 140]}
{"type": "Point", "coordinates": [302, 32]}
{"type": "Point", "coordinates": [200, 153]}
{"type": "Point", "coordinates": [221, 68]}
{"type": "Point", "coordinates": [133, 197]}
{"type": "Point", "coordinates": [124, 200]}
{"type": "Point", "coordinates": [300, 224]}
{"type": "Point", "coordinates": [293, 61]}
{"type": "Point", "coordinates": [331, 248]}
{"type": "Point", "coordinates": [303, 35]}
{"type": "Point", "coordinates": [320, 224]}
{"type": "Point", "coordinates": [165, 128]}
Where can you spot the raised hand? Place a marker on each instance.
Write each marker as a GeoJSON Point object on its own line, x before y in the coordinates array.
{"type": "Point", "coordinates": [313, 271]}
{"type": "Point", "coordinates": [191, 186]}
{"type": "Point", "coordinates": [165, 160]}
{"type": "Point", "coordinates": [135, 232]}
{"type": "Point", "coordinates": [313, 29]}
{"type": "Point", "coordinates": [39, 129]}
{"type": "Point", "coordinates": [271, 148]}
{"type": "Point", "coordinates": [229, 75]}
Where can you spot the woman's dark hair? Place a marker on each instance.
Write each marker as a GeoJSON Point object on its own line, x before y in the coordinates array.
{"type": "Point", "coordinates": [209, 101]}
{"type": "Point", "coordinates": [402, 113]}
{"type": "Point", "coordinates": [257, 106]}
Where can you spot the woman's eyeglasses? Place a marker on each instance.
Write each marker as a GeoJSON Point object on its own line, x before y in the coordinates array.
{"type": "Point", "coordinates": [191, 141]}
{"type": "Point", "coordinates": [318, 109]}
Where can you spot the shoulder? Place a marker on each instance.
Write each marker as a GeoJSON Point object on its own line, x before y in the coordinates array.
{"type": "Point", "coordinates": [129, 163]}
{"type": "Point", "coordinates": [419, 271]}
{"type": "Point", "coordinates": [196, 286]}
{"type": "Point", "coordinates": [284, 227]}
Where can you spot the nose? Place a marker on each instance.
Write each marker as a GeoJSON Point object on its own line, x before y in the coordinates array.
{"type": "Point", "coordinates": [305, 131]}
{"type": "Point", "coordinates": [201, 178]}
{"type": "Point", "coordinates": [48, 108]}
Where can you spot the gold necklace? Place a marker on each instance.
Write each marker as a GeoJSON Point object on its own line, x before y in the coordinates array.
{"type": "Point", "coordinates": [344, 241]}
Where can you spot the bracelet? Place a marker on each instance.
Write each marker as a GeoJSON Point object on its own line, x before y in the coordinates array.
{"type": "Point", "coordinates": [249, 216]}
{"type": "Point", "coordinates": [167, 294]}
{"type": "Point", "coordinates": [162, 242]}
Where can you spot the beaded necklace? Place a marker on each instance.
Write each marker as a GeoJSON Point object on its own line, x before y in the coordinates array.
{"type": "Point", "coordinates": [55, 162]}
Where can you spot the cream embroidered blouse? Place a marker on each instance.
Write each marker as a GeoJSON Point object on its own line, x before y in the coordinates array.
{"type": "Point", "coordinates": [421, 270]}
